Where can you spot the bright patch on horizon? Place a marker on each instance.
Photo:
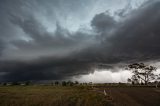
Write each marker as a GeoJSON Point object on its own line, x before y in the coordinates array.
{"type": "Point", "coordinates": [105, 76]}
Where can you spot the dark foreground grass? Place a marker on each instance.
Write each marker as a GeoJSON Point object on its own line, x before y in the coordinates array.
{"type": "Point", "coordinates": [50, 96]}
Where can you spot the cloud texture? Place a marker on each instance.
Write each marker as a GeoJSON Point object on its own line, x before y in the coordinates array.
{"type": "Point", "coordinates": [58, 39]}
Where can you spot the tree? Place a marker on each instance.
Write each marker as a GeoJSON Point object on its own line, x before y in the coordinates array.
{"type": "Point", "coordinates": [129, 80]}
{"type": "Point", "coordinates": [64, 83]}
{"type": "Point", "coordinates": [15, 83]}
{"type": "Point", "coordinates": [4, 84]}
{"type": "Point", "coordinates": [135, 80]}
{"type": "Point", "coordinates": [142, 73]}
{"type": "Point", "coordinates": [56, 83]}
{"type": "Point", "coordinates": [76, 82]}
{"type": "Point", "coordinates": [70, 83]}
{"type": "Point", "coordinates": [27, 82]}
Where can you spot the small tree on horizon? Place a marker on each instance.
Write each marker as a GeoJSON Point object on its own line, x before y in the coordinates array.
{"type": "Point", "coordinates": [70, 83]}
{"type": "Point", "coordinates": [129, 80]}
{"type": "Point", "coordinates": [56, 83]}
{"type": "Point", "coordinates": [76, 82]}
{"type": "Point", "coordinates": [27, 82]}
{"type": "Point", "coordinates": [64, 83]}
{"type": "Point", "coordinates": [142, 73]}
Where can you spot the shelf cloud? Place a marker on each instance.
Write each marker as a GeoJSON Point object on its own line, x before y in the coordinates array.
{"type": "Point", "coordinates": [59, 39]}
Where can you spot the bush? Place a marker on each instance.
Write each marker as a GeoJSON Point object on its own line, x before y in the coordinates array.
{"type": "Point", "coordinates": [64, 83]}
{"type": "Point", "coordinates": [15, 83]}
{"type": "Point", "coordinates": [56, 83]}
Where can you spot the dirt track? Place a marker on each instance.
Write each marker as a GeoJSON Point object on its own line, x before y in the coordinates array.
{"type": "Point", "coordinates": [132, 96]}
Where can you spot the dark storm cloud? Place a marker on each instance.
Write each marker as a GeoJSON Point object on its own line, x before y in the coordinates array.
{"type": "Point", "coordinates": [43, 69]}
{"type": "Point", "coordinates": [103, 22]}
{"type": "Point", "coordinates": [20, 59]}
{"type": "Point", "coordinates": [138, 36]}
{"type": "Point", "coordinates": [41, 38]}
{"type": "Point", "coordinates": [134, 38]}
{"type": "Point", "coordinates": [44, 55]}
{"type": "Point", "coordinates": [41, 42]}
{"type": "Point", "coordinates": [1, 46]}
{"type": "Point", "coordinates": [23, 27]}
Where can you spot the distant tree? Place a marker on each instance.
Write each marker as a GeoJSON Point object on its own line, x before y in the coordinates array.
{"type": "Point", "coordinates": [142, 73]}
{"type": "Point", "coordinates": [15, 83]}
{"type": "Point", "coordinates": [76, 82]}
{"type": "Point", "coordinates": [64, 83]}
{"type": "Point", "coordinates": [4, 84]}
{"type": "Point", "coordinates": [70, 83]}
{"type": "Point", "coordinates": [27, 82]}
{"type": "Point", "coordinates": [129, 80]}
{"type": "Point", "coordinates": [56, 83]}
{"type": "Point", "coordinates": [84, 83]}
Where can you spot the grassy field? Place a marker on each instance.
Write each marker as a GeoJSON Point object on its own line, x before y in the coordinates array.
{"type": "Point", "coordinates": [50, 96]}
{"type": "Point", "coordinates": [78, 96]}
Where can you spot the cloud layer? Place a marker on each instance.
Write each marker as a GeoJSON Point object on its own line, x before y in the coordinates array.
{"type": "Point", "coordinates": [57, 39]}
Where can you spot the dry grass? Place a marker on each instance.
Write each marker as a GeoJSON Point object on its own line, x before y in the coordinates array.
{"type": "Point", "coordinates": [50, 96]}
{"type": "Point", "coordinates": [78, 96]}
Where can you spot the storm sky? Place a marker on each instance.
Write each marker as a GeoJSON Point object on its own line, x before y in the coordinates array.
{"type": "Point", "coordinates": [63, 39]}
